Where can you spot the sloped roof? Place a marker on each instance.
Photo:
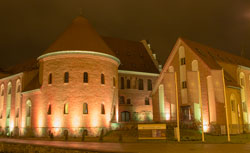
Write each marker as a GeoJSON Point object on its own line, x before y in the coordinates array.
{"type": "Point", "coordinates": [133, 55]}
{"type": "Point", "coordinates": [33, 83]}
{"type": "Point", "coordinates": [80, 35]}
{"type": "Point", "coordinates": [27, 65]}
{"type": "Point", "coordinates": [212, 56]}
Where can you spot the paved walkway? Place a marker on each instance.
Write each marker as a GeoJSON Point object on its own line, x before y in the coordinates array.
{"type": "Point", "coordinates": [141, 147]}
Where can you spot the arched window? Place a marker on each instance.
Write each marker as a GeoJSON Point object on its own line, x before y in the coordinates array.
{"type": "Point", "coordinates": [128, 83]}
{"type": "Point", "coordinates": [66, 108]}
{"type": "Point", "coordinates": [85, 77]}
{"type": "Point", "coordinates": [28, 113]}
{"type": "Point", "coordinates": [182, 55]}
{"type": "Point", "coordinates": [121, 100]}
{"type": "Point", "coordinates": [50, 79]}
{"type": "Point", "coordinates": [171, 69]}
{"type": "Point", "coordinates": [102, 109]}
{"type": "Point", "coordinates": [149, 85]}
{"type": "Point", "coordinates": [141, 84]}
{"type": "Point", "coordinates": [49, 109]}
{"type": "Point", "coordinates": [122, 82]}
{"type": "Point", "coordinates": [129, 101]}
{"type": "Point", "coordinates": [8, 108]}
{"type": "Point", "coordinates": [66, 77]}
{"type": "Point", "coordinates": [242, 79]}
{"type": "Point", "coordinates": [102, 79]}
{"type": "Point", "coordinates": [147, 101]}
{"type": "Point", "coordinates": [195, 66]}
{"type": "Point", "coordinates": [85, 108]}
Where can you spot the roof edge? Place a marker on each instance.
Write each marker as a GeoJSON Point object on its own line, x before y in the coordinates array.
{"type": "Point", "coordinates": [79, 52]}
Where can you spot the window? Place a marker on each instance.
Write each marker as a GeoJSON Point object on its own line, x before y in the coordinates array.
{"type": "Point", "coordinates": [121, 100]}
{"type": "Point", "coordinates": [141, 84]}
{"type": "Point", "coordinates": [85, 108]}
{"type": "Point", "coordinates": [102, 109]}
{"type": "Point", "coordinates": [17, 113]}
{"type": "Point", "coordinates": [122, 82]}
{"type": "Point", "coordinates": [2, 94]}
{"type": "Point", "coordinates": [85, 77]}
{"type": "Point", "coordinates": [147, 101]}
{"type": "Point", "coordinates": [49, 109]}
{"type": "Point", "coordinates": [66, 77]}
{"type": "Point", "coordinates": [50, 79]}
{"type": "Point", "coordinates": [114, 82]}
{"type": "Point", "coordinates": [183, 61]}
{"type": "Point", "coordinates": [125, 116]}
{"type": "Point", "coordinates": [129, 101]}
{"type": "Point", "coordinates": [128, 83]}
{"type": "Point", "coordinates": [9, 91]}
{"type": "Point", "coordinates": [66, 108]}
{"type": "Point", "coordinates": [149, 85]}
{"type": "Point", "coordinates": [102, 79]}
{"type": "Point", "coordinates": [184, 84]}
{"type": "Point", "coordinates": [19, 88]}
{"type": "Point", "coordinates": [233, 105]}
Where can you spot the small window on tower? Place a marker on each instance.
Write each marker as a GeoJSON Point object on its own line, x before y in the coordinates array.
{"type": "Point", "coordinates": [66, 77]}
{"type": "Point", "coordinates": [121, 100]}
{"type": "Point", "coordinates": [49, 109]}
{"type": "Point", "coordinates": [102, 79]}
{"type": "Point", "coordinates": [17, 113]}
{"type": "Point", "coordinates": [85, 77]}
{"type": "Point", "coordinates": [50, 79]}
{"type": "Point", "coordinates": [85, 108]}
{"type": "Point", "coordinates": [102, 109]}
{"type": "Point", "coordinates": [66, 108]}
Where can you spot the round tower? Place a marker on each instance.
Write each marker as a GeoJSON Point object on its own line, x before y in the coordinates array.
{"type": "Point", "coordinates": [79, 74]}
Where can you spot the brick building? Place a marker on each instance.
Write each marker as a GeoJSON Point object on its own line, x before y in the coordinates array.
{"type": "Point", "coordinates": [74, 85]}
{"type": "Point", "coordinates": [86, 82]}
{"type": "Point", "coordinates": [221, 77]}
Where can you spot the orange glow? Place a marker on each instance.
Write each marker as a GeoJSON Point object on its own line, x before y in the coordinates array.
{"type": "Point", "coordinates": [167, 116]}
{"type": "Point", "coordinates": [205, 126]}
{"type": "Point", "coordinates": [76, 121]}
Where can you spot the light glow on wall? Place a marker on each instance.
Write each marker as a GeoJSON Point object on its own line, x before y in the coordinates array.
{"type": "Point", "coordinates": [205, 126]}
{"type": "Point", "coordinates": [167, 116]}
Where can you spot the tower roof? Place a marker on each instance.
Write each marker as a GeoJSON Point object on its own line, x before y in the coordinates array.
{"type": "Point", "coordinates": [80, 35]}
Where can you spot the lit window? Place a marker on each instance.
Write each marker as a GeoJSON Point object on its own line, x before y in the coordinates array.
{"type": "Point", "coordinates": [85, 108]}
{"type": "Point", "coordinates": [9, 92]}
{"type": "Point", "coordinates": [128, 83]}
{"type": "Point", "coordinates": [50, 79]}
{"type": "Point", "coordinates": [66, 77]}
{"type": "Point", "coordinates": [149, 84]}
{"type": "Point", "coordinates": [66, 108]}
{"type": "Point", "coordinates": [183, 61]}
{"type": "Point", "coordinates": [19, 88]}
{"type": "Point", "coordinates": [122, 82]}
{"type": "Point", "coordinates": [102, 79]}
{"type": "Point", "coordinates": [141, 84]}
{"type": "Point", "coordinates": [184, 84]}
{"type": "Point", "coordinates": [129, 101]}
{"type": "Point", "coordinates": [2, 94]}
{"type": "Point", "coordinates": [102, 109]}
{"type": "Point", "coordinates": [85, 77]}
{"type": "Point", "coordinates": [147, 101]}
{"type": "Point", "coordinates": [49, 109]}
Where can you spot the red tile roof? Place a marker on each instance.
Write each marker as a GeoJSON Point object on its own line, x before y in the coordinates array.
{"type": "Point", "coordinates": [80, 35]}
{"type": "Point", "coordinates": [133, 55]}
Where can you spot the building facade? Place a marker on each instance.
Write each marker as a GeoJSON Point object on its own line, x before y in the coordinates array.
{"type": "Point", "coordinates": [87, 83]}
{"type": "Point", "coordinates": [82, 83]}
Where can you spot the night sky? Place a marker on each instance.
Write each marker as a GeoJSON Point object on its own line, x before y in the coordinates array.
{"type": "Point", "coordinates": [28, 27]}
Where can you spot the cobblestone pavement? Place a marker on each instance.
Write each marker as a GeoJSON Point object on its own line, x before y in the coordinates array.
{"type": "Point", "coordinates": [140, 147]}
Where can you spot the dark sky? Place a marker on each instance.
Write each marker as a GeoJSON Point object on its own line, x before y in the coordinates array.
{"type": "Point", "coordinates": [28, 27]}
